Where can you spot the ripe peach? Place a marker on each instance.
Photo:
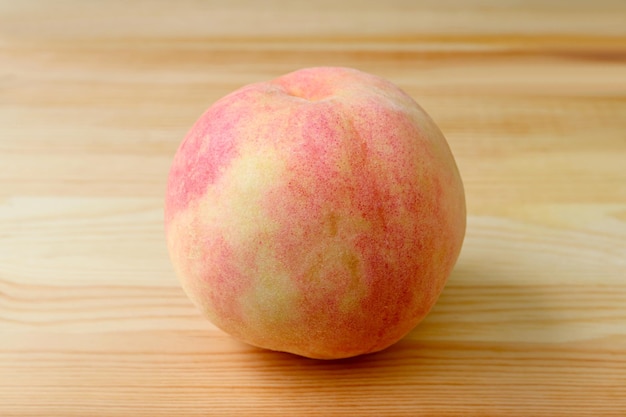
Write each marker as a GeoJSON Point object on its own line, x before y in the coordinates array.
{"type": "Point", "coordinates": [319, 213]}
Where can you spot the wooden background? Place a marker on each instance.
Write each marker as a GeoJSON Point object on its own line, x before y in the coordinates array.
{"type": "Point", "coordinates": [96, 96]}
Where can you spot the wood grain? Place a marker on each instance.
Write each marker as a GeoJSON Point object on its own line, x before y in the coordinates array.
{"type": "Point", "coordinates": [95, 97]}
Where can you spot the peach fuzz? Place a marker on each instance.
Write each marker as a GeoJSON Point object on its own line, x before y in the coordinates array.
{"type": "Point", "coordinates": [319, 213]}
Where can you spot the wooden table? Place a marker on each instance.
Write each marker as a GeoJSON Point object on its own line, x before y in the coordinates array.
{"type": "Point", "coordinates": [95, 98]}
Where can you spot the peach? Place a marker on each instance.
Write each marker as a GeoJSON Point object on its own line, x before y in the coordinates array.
{"type": "Point", "coordinates": [319, 213]}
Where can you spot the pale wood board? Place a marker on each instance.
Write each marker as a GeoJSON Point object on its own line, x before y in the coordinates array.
{"type": "Point", "coordinates": [96, 96]}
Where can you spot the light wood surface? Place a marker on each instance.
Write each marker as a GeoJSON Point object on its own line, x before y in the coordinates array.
{"type": "Point", "coordinates": [95, 97]}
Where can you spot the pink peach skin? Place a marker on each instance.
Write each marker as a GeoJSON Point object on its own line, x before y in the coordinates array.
{"type": "Point", "coordinates": [320, 213]}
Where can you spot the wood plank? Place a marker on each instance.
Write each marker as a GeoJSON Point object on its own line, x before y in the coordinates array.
{"type": "Point", "coordinates": [95, 98]}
